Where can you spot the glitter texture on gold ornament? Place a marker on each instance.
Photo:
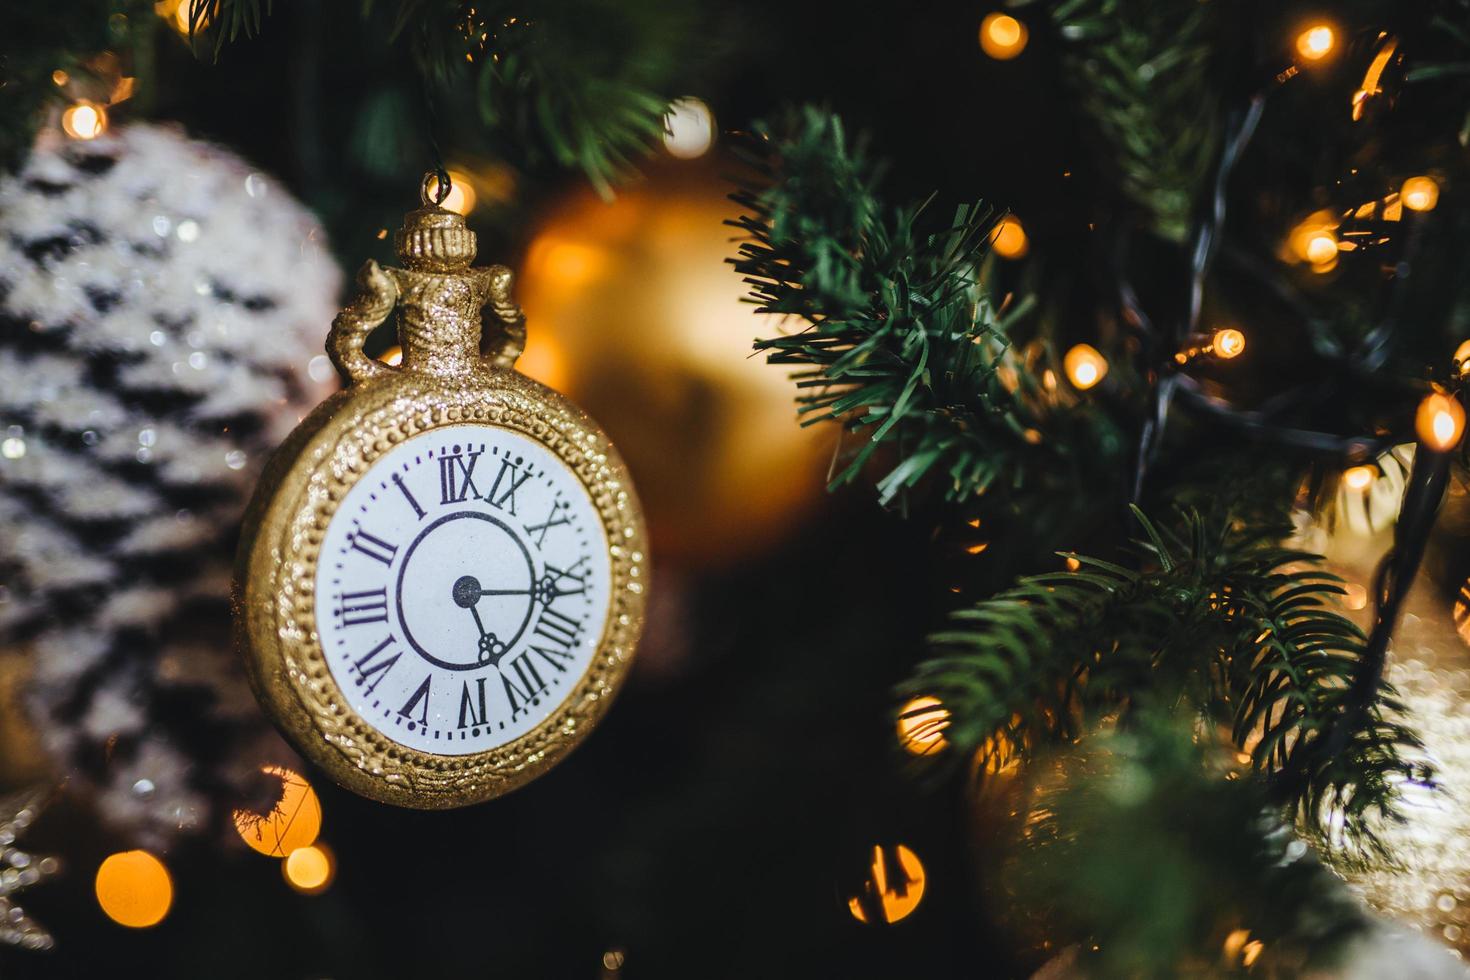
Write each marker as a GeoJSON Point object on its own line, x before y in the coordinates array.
{"type": "Point", "coordinates": [442, 576]}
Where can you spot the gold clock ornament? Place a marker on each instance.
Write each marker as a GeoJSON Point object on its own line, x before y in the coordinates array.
{"type": "Point", "coordinates": [442, 575]}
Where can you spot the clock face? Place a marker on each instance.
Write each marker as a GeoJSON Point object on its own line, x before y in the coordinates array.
{"type": "Point", "coordinates": [462, 589]}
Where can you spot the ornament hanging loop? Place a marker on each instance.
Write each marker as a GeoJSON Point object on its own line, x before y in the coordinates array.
{"type": "Point", "coordinates": [435, 187]}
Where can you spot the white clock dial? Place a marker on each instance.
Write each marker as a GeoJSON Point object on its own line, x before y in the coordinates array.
{"type": "Point", "coordinates": [462, 589]}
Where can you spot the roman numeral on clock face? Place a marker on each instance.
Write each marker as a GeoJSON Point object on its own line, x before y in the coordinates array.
{"type": "Point", "coordinates": [359, 608]}
{"type": "Point", "coordinates": [523, 683]}
{"type": "Point", "coordinates": [374, 547]}
{"type": "Point", "coordinates": [559, 628]}
{"type": "Point", "coordinates": [507, 482]}
{"type": "Point", "coordinates": [418, 701]}
{"type": "Point", "coordinates": [472, 704]}
{"type": "Point", "coordinates": [412, 500]}
{"type": "Point", "coordinates": [375, 664]}
{"type": "Point", "coordinates": [552, 520]}
{"type": "Point", "coordinates": [457, 477]}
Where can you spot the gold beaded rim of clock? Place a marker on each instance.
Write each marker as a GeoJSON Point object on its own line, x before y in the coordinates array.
{"type": "Point", "coordinates": [278, 613]}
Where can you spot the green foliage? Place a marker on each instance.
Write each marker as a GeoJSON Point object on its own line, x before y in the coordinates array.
{"type": "Point", "coordinates": [1144, 80]}
{"type": "Point", "coordinates": [1214, 861]}
{"type": "Point", "coordinates": [1219, 618]}
{"type": "Point", "coordinates": [37, 39]}
{"type": "Point", "coordinates": [900, 342]}
{"type": "Point", "coordinates": [581, 82]}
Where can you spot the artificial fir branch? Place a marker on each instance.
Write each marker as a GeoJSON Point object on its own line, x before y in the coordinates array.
{"type": "Point", "coordinates": [1138, 70]}
{"type": "Point", "coordinates": [582, 82]}
{"type": "Point", "coordinates": [1217, 617]}
{"type": "Point", "coordinates": [899, 342]}
{"type": "Point", "coordinates": [1221, 869]}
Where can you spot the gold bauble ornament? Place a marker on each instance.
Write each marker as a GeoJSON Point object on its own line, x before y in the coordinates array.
{"type": "Point", "coordinates": [639, 318]}
{"type": "Point", "coordinates": [442, 574]}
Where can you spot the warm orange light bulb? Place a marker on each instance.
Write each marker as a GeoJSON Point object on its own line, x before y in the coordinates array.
{"type": "Point", "coordinates": [895, 900]}
{"type": "Point", "coordinates": [134, 889]}
{"type": "Point", "coordinates": [1358, 477]}
{"type": "Point", "coordinates": [84, 121]}
{"type": "Point", "coordinates": [1316, 42]}
{"type": "Point", "coordinates": [1009, 238]}
{"type": "Point", "coordinates": [1002, 36]}
{"type": "Point", "coordinates": [1462, 358]}
{"type": "Point", "coordinates": [1321, 247]}
{"type": "Point", "coordinates": [1228, 343]}
{"type": "Point", "coordinates": [309, 870]}
{"type": "Point", "coordinates": [1419, 194]}
{"type": "Point", "coordinates": [921, 725]}
{"type": "Point", "coordinates": [1085, 367]}
{"type": "Point", "coordinates": [1440, 422]}
{"type": "Point", "coordinates": [294, 822]}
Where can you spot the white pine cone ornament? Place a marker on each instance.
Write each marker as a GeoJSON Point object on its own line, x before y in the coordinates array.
{"type": "Point", "coordinates": [161, 304]}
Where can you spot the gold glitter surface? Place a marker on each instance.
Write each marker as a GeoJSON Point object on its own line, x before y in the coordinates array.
{"type": "Point", "coordinates": [444, 379]}
{"type": "Point", "coordinates": [1427, 886]}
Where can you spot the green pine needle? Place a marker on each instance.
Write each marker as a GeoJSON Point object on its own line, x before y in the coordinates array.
{"type": "Point", "coordinates": [1219, 618]}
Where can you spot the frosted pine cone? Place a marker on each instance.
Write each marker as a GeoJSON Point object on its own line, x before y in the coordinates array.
{"type": "Point", "coordinates": [161, 306]}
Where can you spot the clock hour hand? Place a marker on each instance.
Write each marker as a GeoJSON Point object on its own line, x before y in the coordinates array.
{"type": "Point", "coordinates": [467, 592]}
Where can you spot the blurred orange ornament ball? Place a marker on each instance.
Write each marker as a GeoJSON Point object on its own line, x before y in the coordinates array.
{"type": "Point", "coordinates": [632, 311]}
{"type": "Point", "coordinates": [294, 822]}
{"type": "Point", "coordinates": [134, 889]}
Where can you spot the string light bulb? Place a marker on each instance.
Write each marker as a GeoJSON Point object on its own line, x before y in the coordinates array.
{"type": "Point", "coordinates": [1009, 238]}
{"type": "Point", "coordinates": [689, 129]}
{"type": "Point", "coordinates": [921, 725]}
{"type": "Point", "coordinates": [309, 870]}
{"type": "Point", "coordinates": [1321, 247]}
{"type": "Point", "coordinates": [134, 889]}
{"type": "Point", "coordinates": [1085, 367]}
{"type": "Point", "coordinates": [894, 899]}
{"type": "Point", "coordinates": [1358, 478]}
{"type": "Point", "coordinates": [1316, 42]}
{"type": "Point", "coordinates": [84, 121]}
{"type": "Point", "coordinates": [293, 822]}
{"type": "Point", "coordinates": [1002, 36]}
{"type": "Point", "coordinates": [1228, 343]}
{"type": "Point", "coordinates": [1419, 194]}
{"type": "Point", "coordinates": [1440, 422]}
{"type": "Point", "coordinates": [461, 197]}
{"type": "Point", "coordinates": [1462, 358]}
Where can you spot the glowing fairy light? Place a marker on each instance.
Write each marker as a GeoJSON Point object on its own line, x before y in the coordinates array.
{"type": "Point", "coordinates": [1002, 36]}
{"type": "Point", "coordinates": [1228, 343]}
{"type": "Point", "coordinates": [1085, 367]}
{"type": "Point", "coordinates": [1009, 238]}
{"type": "Point", "coordinates": [1462, 358]}
{"type": "Point", "coordinates": [84, 121]}
{"type": "Point", "coordinates": [461, 198]}
{"type": "Point", "coordinates": [134, 889]}
{"type": "Point", "coordinates": [689, 128]}
{"type": "Point", "coordinates": [1440, 422]}
{"type": "Point", "coordinates": [1359, 478]}
{"type": "Point", "coordinates": [293, 822]}
{"type": "Point", "coordinates": [1321, 247]}
{"type": "Point", "coordinates": [309, 870]}
{"type": "Point", "coordinates": [921, 725]}
{"type": "Point", "coordinates": [891, 900]}
{"type": "Point", "coordinates": [1420, 194]}
{"type": "Point", "coordinates": [1316, 42]}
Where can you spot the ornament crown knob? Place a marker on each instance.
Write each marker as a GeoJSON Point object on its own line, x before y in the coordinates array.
{"type": "Point", "coordinates": [434, 239]}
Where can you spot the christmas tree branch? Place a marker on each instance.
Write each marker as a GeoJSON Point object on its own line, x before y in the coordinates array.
{"type": "Point", "coordinates": [899, 342]}
{"type": "Point", "coordinates": [1217, 617]}
{"type": "Point", "coordinates": [581, 82]}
